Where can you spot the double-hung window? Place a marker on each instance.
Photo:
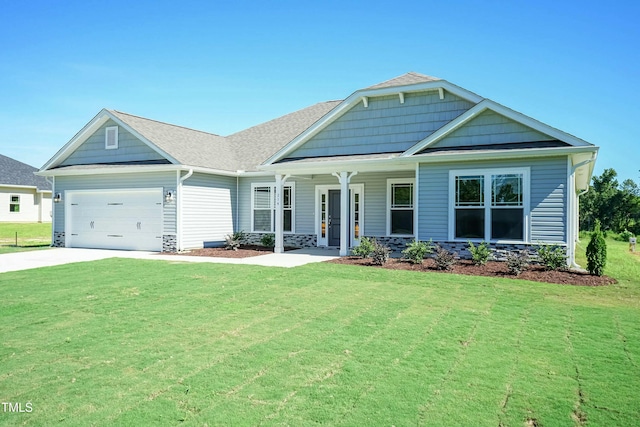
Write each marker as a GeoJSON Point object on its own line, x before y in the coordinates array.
{"type": "Point", "coordinates": [489, 205]}
{"type": "Point", "coordinates": [263, 208]}
{"type": "Point", "coordinates": [401, 206]}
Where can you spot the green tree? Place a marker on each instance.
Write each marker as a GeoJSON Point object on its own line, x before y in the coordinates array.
{"type": "Point", "coordinates": [616, 206]}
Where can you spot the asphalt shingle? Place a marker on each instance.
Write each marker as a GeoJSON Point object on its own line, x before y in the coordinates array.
{"type": "Point", "coordinates": [13, 172]}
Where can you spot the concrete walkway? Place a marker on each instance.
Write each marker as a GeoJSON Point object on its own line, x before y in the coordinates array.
{"type": "Point", "coordinates": [58, 256]}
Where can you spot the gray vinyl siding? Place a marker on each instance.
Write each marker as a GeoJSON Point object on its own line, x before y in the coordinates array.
{"type": "Point", "coordinates": [130, 149]}
{"type": "Point", "coordinates": [491, 128]}
{"type": "Point", "coordinates": [548, 197]}
{"type": "Point", "coordinates": [385, 126]}
{"type": "Point", "coordinates": [208, 210]}
{"type": "Point", "coordinates": [375, 200]}
{"type": "Point", "coordinates": [165, 180]}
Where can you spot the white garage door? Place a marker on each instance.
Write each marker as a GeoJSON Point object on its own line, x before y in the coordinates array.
{"type": "Point", "coordinates": [115, 219]}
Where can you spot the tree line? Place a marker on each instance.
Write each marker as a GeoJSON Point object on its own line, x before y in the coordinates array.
{"type": "Point", "coordinates": [616, 205]}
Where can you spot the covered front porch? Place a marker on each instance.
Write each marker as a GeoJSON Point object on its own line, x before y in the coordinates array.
{"type": "Point", "coordinates": [338, 207]}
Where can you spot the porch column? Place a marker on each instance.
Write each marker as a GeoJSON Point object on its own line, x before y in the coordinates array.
{"type": "Point", "coordinates": [344, 178]}
{"type": "Point", "coordinates": [279, 225]}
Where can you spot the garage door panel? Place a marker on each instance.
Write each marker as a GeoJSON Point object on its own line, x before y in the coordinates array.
{"type": "Point", "coordinates": [116, 219]}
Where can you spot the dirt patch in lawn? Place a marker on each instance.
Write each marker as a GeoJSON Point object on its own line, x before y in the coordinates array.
{"type": "Point", "coordinates": [535, 273]}
{"type": "Point", "coordinates": [243, 252]}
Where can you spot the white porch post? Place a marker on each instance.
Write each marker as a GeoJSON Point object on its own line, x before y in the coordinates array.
{"type": "Point", "coordinates": [344, 178]}
{"type": "Point", "coordinates": [279, 225]}
{"type": "Point", "coordinates": [344, 213]}
{"type": "Point", "coordinates": [279, 248]}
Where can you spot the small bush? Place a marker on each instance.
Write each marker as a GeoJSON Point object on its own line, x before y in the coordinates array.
{"type": "Point", "coordinates": [365, 248]}
{"type": "Point", "coordinates": [625, 235]}
{"type": "Point", "coordinates": [480, 254]}
{"type": "Point", "coordinates": [517, 262]}
{"type": "Point", "coordinates": [380, 253]}
{"type": "Point", "coordinates": [444, 259]}
{"type": "Point", "coordinates": [234, 240]}
{"type": "Point", "coordinates": [268, 240]}
{"type": "Point", "coordinates": [596, 252]}
{"type": "Point", "coordinates": [552, 257]}
{"type": "Point", "coordinates": [416, 250]}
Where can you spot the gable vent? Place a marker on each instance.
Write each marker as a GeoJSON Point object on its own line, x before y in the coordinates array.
{"type": "Point", "coordinates": [111, 138]}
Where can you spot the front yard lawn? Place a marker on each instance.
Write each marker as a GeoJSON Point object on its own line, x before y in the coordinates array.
{"type": "Point", "coordinates": [131, 342]}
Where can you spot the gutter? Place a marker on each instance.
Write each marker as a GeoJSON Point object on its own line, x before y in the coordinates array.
{"type": "Point", "coordinates": [179, 206]}
{"type": "Point", "coordinates": [583, 192]}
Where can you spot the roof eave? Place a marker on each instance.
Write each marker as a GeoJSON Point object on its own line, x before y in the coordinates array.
{"type": "Point", "coordinates": [394, 162]}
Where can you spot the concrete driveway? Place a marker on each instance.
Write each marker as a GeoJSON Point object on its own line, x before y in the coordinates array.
{"type": "Point", "coordinates": [57, 256]}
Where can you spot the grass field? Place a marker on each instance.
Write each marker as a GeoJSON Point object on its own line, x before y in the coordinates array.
{"type": "Point", "coordinates": [131, 342]}
{"type": "Point", "coordinates": [29, 236]}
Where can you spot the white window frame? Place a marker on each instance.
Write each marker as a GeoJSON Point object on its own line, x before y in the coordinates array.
{"type": "Point", "coordinates": [487, 206]}
{"type": "Point", "coordinates": [11, 196]}
{"type": "Point", "coordinates": [390, 183]}
{"type": "Point", "coordinates": [106, 138]}
{"type": "Point", "coordinates": [272, 186]}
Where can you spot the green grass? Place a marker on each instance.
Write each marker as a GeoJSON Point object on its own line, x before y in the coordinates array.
{"type": "Point", "coordinates": [131, 342]}
{"type": "Point", "coordinates": [31, 236]}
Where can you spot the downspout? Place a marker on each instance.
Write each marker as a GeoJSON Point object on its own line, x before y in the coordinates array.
{"type": "Point", "coordinates": [53, 210]}
{"type": "Point", "coordinates": [574, 236]}
{"type": "Point", "coordinates": [179, 206]}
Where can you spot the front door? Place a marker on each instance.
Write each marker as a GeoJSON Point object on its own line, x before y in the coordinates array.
{"type": "Point", "coordinates": [334, 218]}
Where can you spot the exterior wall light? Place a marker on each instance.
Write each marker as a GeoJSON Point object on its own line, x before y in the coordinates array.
{"type": "Point", "coordinates": [169, 196]}
{"type": "Point", "coordinates": [57, 198]}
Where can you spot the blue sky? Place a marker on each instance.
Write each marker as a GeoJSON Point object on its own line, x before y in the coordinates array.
{"type": "Point", "coordinates": [224, 67]}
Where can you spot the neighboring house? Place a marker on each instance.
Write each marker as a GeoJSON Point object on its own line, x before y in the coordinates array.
{"type": "Point", "coordinates": [24, 197]}
{"type": "Point", "coordinates": [412, 157]}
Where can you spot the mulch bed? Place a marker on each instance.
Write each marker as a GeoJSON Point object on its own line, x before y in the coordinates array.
{"type": "Point", "coordinates": [245, 251]}
{"type": "Point", "coordinates": [535, 273]}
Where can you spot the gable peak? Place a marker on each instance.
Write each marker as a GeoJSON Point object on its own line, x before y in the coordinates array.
{"type": "Point", "coordinates": [405, 79]}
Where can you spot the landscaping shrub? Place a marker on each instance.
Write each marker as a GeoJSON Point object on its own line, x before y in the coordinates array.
{"type": "Point", "coordinates": [365, 248]}
{"type": "Point", "coordinates": [480, 254]}
{"type": "Point", "coordinates": [416, 250]}
{"type": "Point", "coordinates": [268, 240]}
{"type": "Point", "coordinates": [596, 252]}
{"type": "Point", "coordinates": [444, 259]}
{"type": "Point", "coordinates": [517, 262]}
{"type": "Point", "coordinates": [234, 240]}
{"type": "Point", "coordinates": [625, 235]}
{"type": "Point", "coordinates": [553, 257]}
{"type": "Point", "coordinates": [380, 253]}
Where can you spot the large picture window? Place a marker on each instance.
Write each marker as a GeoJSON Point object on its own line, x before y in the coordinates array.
{"type": "Point", "coordinates": [489, 205]}
{"type": "Point", "coordinates": [263, 212]}
{"type": "Point", "coordinates": [401, 205]}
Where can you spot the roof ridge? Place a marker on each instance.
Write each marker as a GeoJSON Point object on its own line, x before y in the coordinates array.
{"type": "Point", "coordinates": [165, 123]}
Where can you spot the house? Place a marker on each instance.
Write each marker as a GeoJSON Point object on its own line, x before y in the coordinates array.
{"type": "Point", "coordinates": [412, 157]}
{"type": "Point", "coordinates": [24, 197]}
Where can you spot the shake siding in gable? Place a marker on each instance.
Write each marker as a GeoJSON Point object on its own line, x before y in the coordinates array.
{"type": "Point", "coordinates": [548, 197]}
{"type": "Point", "coordinates": [385, 126]}
{"type": "Point", "coordinates": [490, 128]}
{"type": "Point", "coordinates": [208, 209]}
{"type": "Point", "coordinates": [165, 180]}
{"type": "Point", "coordinates": [130, 149]}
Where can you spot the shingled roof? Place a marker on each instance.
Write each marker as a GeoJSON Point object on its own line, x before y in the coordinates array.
{"type": "Point", "coordinates": [409, 78]}
{"type": "Point", "coordinates": [254, 145]}
{"type": "Point", "coordinates": [13, 172]}
{"type": "Point", "coordinates": [187, 146]}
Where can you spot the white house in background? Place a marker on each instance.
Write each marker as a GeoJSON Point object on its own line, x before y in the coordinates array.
{"type": "Point", "coordinates": [414, 157]}
{"type": "Point", "coordinates": [24, 197]}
